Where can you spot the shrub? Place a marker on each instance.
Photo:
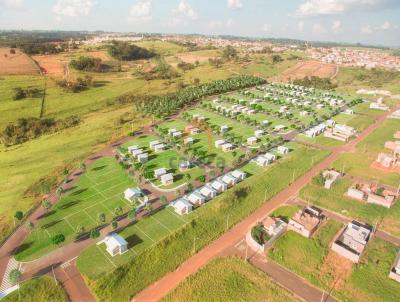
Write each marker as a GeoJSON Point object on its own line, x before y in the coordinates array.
{"type": "Point", "coordinates": [14, 276]}
{"type": "Point", "coordinates": [88, 64]}
{"type": "Point", "coordinates": [57, 239]}
{"type": "Point", "coordinates": [128, 52]}
{"type": "Point", "coordinates": [259, 234]}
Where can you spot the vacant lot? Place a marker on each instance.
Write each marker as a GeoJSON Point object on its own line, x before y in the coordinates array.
{"type": "Point", "coordinates": [359, 162]}
{"type": "Point", "coordinates": [227, 279]}
{"type": "Point", "coordinates": [14, 64]}
{"type": "Point", "coordinates": [306, 256]}
{"type": "Point", "coordinates": [308, 69]}
{"type": "Point", "coordinates": [53, 65]}
{"type": "Point", "coordinates": [38, 289]}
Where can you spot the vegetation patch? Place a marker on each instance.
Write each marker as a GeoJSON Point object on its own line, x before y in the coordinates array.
{"type": "Point", "coordinates": [128, 52]}
{"type": "Point", "coordinates": [38, 289]}
{"type": "Point", "coordinates": [227, 279]}
{"type": "Point", "coordinates": [28, 128]}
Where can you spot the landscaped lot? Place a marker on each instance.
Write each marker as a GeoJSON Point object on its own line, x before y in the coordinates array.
{"type": "Point", "coordinates": [229, 279]}
{"type": "Point", "coordinates": [98, 191]}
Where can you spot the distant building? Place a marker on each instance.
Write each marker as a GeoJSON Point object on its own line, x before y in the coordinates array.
{"type": "Point", "coordinates": [283, 150]}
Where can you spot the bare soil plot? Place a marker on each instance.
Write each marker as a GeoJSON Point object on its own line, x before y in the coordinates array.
{"type": "Point", "coordinates": [308, 69]}
{"type": "Point", "coordinates": [16, 64]}
{"type": "Point", "coordinates": [338, 267]}
{"type": "Point", "coordinates": [55, 65]}
{"type": "Point", "coordinates": [193, 57]}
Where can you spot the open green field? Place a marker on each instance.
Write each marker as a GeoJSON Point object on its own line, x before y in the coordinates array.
{"type": "Point", "coordinates": [359, 162]}
{"type": "Point", "coordinates": [336, 200]}
{"type": "Point", "coordinates": [38, 289]}
{"type": "Point", "coordinates": [369, 280]}
{"type": "Point", "coordinates": [227, 279]}
{"type": "Point", "coordinates": [97, 191]}
{"type": "Point", "coordinates": [357, 121]}
{"type": "Point", "coordinates": [209, 223]}
{"type": "Point", "coordinates": [22, 166]}
{"type": "Point", "coordinates": [306, 256]}
{"type": "Point", "coordinates": [141, 235]}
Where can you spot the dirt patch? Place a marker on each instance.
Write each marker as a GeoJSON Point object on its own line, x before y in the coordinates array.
{"type": "Point", "coordinates": [377, 166]}
{"type": "Point", "coordinates": [16, 64]}
{"type": "Point", "coordinates": [191, 58]}
{"type": "Point", "coordinates": [55, 65]}
{"type": "Point", "coordinates": [337, 268]}
{"type": "Point", "coordinates": [308, 69]}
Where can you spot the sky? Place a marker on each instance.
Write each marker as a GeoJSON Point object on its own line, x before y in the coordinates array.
{"type": "Point", "coordinates": [366, 21]}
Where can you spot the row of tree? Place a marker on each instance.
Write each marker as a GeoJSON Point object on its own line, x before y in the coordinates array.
{"type": "Point", "coordinates": [164, 105]}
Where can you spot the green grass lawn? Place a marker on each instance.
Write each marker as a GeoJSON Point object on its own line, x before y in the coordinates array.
{"type": "Point", "coordinates": [359, 162]}
{"type": "Point", "coordinates": [369, 280]}
{"type": "Point", "coordinates": [285, 212]}
{"type": "Point", "coordinates": [99, 190]}
{"type": "Point", "coordinates": [229, 279]}
{"type": "Point", "coordinates": [38, 289]}
{"type": "Point", "coordinates": [209, 224]}
{"type": "Point", "coordinates": [141, 236]}
{"type": "Point", "coordinates": [336, 200]}
{"type": "Point", "coordinates": [357, 121]}
{"type": "Point", "coordinates": [306, 256]}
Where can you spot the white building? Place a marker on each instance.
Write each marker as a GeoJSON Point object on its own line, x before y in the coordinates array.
{"type": "Point", "coordinates": [115, 244]}
{"type": "Point", "coordinates": [219, 186]}
{"type": "Point", "coordinates": [239, 175]}
{"type": "Point", "coordinates": [142, 158]}
{"type": "Point", "coordinates": [196, 198]}
{"type": "Point", "coordinates": [167, 179]}
{"type": "Point", "coordinates": [182, 206]}
{"type": "Point", "coordinates": [283, 150]}
{"type": "Point", "coordinates": [159, 172]}
{"type": "Point", "coordinates": [208, 192]}
{"type": "Point", "coordinates": [131, 194]}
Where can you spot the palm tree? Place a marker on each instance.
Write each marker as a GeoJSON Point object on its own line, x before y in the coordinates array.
{"type": "Point", "coordinates": [148, 208]}
{"type": "Point", "coordinates": [101, 218]}
{"type": "Point", "coordinates": [46, 205]}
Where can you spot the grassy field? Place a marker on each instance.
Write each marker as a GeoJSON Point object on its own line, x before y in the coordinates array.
{"type": "Point", "coordinates": [336, 200]}
{"type": "Point", "coordinates": [209, 224]}
{"type": "Point", "coordinates": [97, 191]}
{"type": "Point", "coordinates": [141, 235]}
{"type": "Point", "coordinates": [24, 165]}
{"type": "Point", "coordinates": [357, 121]}
{"type": "Point", "coordinates": [229, 279]}
{"type": "Point", "coordinates": [369, 280]}
{"type": "Point", "coordinates": [306, 256]}
{"type": "Point", "coordinates": [359, 162]}
{"type": "Point", "coordinates": [38, 289]}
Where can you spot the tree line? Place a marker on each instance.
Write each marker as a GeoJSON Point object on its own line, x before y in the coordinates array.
{"type": "Point", "coordinates": [164, 105]}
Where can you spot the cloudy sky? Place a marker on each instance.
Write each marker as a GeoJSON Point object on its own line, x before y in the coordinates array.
{"type": "Point", "coordinates": [366, 21]}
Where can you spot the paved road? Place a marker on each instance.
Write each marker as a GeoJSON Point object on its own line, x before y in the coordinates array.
{"type": "Point", "coordinates": [160, 288]}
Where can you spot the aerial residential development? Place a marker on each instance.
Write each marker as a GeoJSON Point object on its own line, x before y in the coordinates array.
{"type": "Point", "coordinates": [181, 151]}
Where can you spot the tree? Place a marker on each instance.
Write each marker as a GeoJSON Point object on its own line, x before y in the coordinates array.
{"type": "Point", "coordinates": [229, 53]}
{"type": "Point", "coordinates": [30, 226]}
{"type": "Point", "coordinates": [59, 191]}
{"type": "Point", "coordinates": [114, 224]}
{"type": "Point", "coordinates": [46, 205]}
{"type": "Point", "coordinates": [163, 200]}
{"type": "Point", "coordinates": [14, 276]}
{"type": "Point", "coordinates": [132, 214]}
{"type": "Point", "coordinates": [202, 178]}
{"type": "Point", "coordinates": [276, 59]}
{"type": "Point", "coordinates": [57, 239]}
{"type": "Point", "coordinates": [101, 218]}
{"type": "Point", "coordinates": [80, 230]}
{"type": "Point", "coordinates": [118, 211]}
{"type": "Point", "coordinates": [94, 233]}
{"type": "Point", "coordinates": [190, 187]}
{"type": "Point", "coordinates": [148, 207]}
{"type": "Point", "coordinates": [19, 215]}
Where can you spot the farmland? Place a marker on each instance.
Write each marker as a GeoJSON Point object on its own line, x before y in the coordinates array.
{"type": "Point", "coordinates": [16, 63]}
{"type": "Point", "coordinates": [225, 279]}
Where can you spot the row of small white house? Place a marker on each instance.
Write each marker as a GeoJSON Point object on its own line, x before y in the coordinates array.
{"type": "Point", "coordinates": [235, 109]}
{"type": "Point", "coordinates": [319, 129]}
{"type": "Point", "coordinates": [268, 158]}
{"type": "Point", "coordinates": [138, 153]}
{"type": "Point", "coordinates": [184, 205]}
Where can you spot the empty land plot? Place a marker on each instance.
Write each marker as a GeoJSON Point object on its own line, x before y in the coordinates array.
{"type": "Point", "coordinates": [335, 199]}
{"type": "Point", "coordinates": [16, 64]}
{"type": "Point", "coordinates": [140, 235]}
{"type": "Point", "coordinates": [357, 121]}
{"type": "Point", "coordinates": [197, 56]}
{"type": "Point", "coordinates": [308, 69]}
{"type": "Point", "coordinates": [226, 279]}
{"type": "Point", "coordinates": [53, 65]}
{"type": "Point", "coordinates": [358, 163]}
{"type": "Point", "coordinates": [97, 191]}
{"type": "Point", "coordinates": [306, 256]}
{"type": "Point", "coordinates": [369, 280]}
